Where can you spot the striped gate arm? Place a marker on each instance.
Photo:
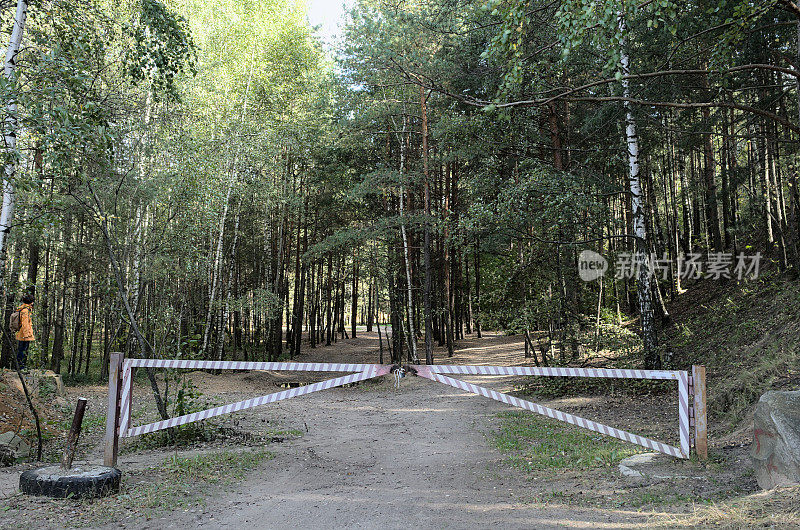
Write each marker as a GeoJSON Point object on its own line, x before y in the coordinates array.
{"type": "Point", "coordinates": [246, 365]}
{"type": "Point", "coordinates": [434, 374]}
{"type": "Point", "coordinates": [554, 371]}
{"type": "Point", "coordinates": [370, 371]}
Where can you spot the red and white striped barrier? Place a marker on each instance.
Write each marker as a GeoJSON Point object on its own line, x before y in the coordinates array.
{"type": "Point", "coordinates": [682, 377]}
{"type": "Point", "coordinates": [244, 365]}
{"type": "Point", "coordinates": [127, 396]}
{"type": "Point", "coordinates": [254, 402]}
{"type": "Point", "coordinates": [555, 371]}
{"type": "Point", "coordinates": [433, 373]}
{"type": "Point", "coordinates": [369, 371]}
{"type": "Point", "coordinates": [365, 371]}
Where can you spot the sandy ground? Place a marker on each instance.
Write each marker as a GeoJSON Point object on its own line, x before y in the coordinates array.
{"type": "Point", "coordinates": [385, 458]}
{"type": "Point", "coordinates": [374, 456]}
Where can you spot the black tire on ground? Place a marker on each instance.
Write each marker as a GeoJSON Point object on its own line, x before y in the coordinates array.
{"type": "Point", "coordinates": [85, 481]}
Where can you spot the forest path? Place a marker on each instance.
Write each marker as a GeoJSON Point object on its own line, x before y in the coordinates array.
{"type": "Point", "coordinates": [375, 456]}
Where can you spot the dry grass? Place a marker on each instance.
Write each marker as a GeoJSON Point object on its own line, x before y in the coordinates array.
{"type": "Point", "coordinates": [779, 508]}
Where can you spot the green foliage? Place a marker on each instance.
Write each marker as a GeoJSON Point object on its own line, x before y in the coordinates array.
{"type": "Point", "coordinates": [507, 44]}
{"type": "Point", "coordinates": [601, 26]}
{"type": "Point", "coordinates": [162, 48]}
{"type": "Point", "coordinates": [604, 25]}
{"type": "Point", "coordinates": [521, 292]}
{"type": "Point", "coordinates": [739, 20]}
{"type": "Point", "coordinates": [187, 398]}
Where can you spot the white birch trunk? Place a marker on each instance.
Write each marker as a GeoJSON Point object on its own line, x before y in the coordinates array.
{"type": "Point", "coordinates": [218, 254]}
{"type": "Point", "coordinates": [644, 284]}
{"type": "Point", "coordinates": [10, 133]}
{"type": "Point", "coordinates": [217, 261]}
{"type": "Point", "coordinates": [135, 262]}
{"type": "Point", "coordinates": [231, 271]}
{"type": "Point", "coordinates": [412, 340]}
{"type": "Point", "coordinates": [141, 212]}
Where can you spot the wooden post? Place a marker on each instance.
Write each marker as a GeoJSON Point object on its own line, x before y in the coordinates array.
{"type": "Point", "coordinates": [112, 416]}
{"type": "Point", "coordinates": [74, 434]}
{"type": "Point", "coordinates": [700, 419]}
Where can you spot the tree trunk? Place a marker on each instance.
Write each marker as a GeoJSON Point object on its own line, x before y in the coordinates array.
{"type": "Point", "coordinates": [354, 305]}
{"type": "Point", "coordinates": [298, 322]}
{"type": "Point", "coordinates": [712, 214]}
{"type": "Point", "coordinates": [328, 301]}
{"type": "Point", "coordinates": [412, 340]}
{"type": "Point", "coordinates": [370, 307]}
{"type": "Point", "coordinates": [477, 263]}
{"type": "Point", "coordinates": [726, 177]}
{"type": "Point", "coordinates": [60, 302]}
{"type": "Point", "coordinates": [215, 270]}
{"type": "Point", "coordinates": [645, 290]}
{"type": "Point", "coordinates": [10, 126]}
{"type": "Point", "coordinates": [426, 246]}
{"type": "Point", "coordinates": [9, 354]}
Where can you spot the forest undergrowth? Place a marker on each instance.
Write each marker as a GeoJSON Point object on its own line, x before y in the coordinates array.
{"type": "Point", "coordinates": [747, 336]}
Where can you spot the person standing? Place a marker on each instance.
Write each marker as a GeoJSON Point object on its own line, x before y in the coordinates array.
{"type": "Point", "coordinates": [25, 333]}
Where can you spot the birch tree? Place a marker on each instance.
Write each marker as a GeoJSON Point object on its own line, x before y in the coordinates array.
{"type": "Point", "coordinates": [10, 129]}
{"type": "Point", "coordinates": [645, 280]}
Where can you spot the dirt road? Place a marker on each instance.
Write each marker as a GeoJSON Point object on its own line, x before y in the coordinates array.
{"type": "Point", "coordinates": [378, 457]}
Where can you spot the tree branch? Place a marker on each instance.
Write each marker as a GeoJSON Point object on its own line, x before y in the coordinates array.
{"type": "Point", "coordinates": [791, 7]}
{"type": "Point", "coordinates": [710, 104]}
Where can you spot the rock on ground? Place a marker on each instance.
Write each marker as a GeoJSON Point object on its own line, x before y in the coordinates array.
{"type": "Point", "coordinates": [13, 448]}
{"type": "Point", "coordinates": [41, 383]}
{"type": "Point", "coordinates": [776, 443]}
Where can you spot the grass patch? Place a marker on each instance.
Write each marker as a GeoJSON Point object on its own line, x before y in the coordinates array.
{"type": "Point", "coordinates": [288, 433]}
{"type": "Point", "coordinates": [534, 444]}
{"type": "Point", "coordinates": [657, 497]}
{"type": "Point", "coordinates": [208, 431]}
{"type": "Point", "coordinates": [182, 482]}
{"type": "Point", "coordinates": [179, 483]}
{"type": "Point", "coordinates": [182, 436]}
{"type": "Point", "coordinates": [214, 467]}
{"type": "Point", "coordinates": [47, 389]}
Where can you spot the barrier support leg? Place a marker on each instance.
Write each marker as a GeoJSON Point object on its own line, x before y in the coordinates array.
{"type": "Point", "coordinates": [113, 413]}
{"type": "Point", "coordinates": [700, 419]}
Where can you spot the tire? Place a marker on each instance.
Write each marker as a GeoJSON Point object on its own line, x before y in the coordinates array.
{"type": "Point", "coordinates": [79, 482]}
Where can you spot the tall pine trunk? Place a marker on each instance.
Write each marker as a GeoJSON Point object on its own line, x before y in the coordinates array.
{"type": "Point", "coordinates": [412, 338]}
{"type": "Point", "coordinates": [426, 247]}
